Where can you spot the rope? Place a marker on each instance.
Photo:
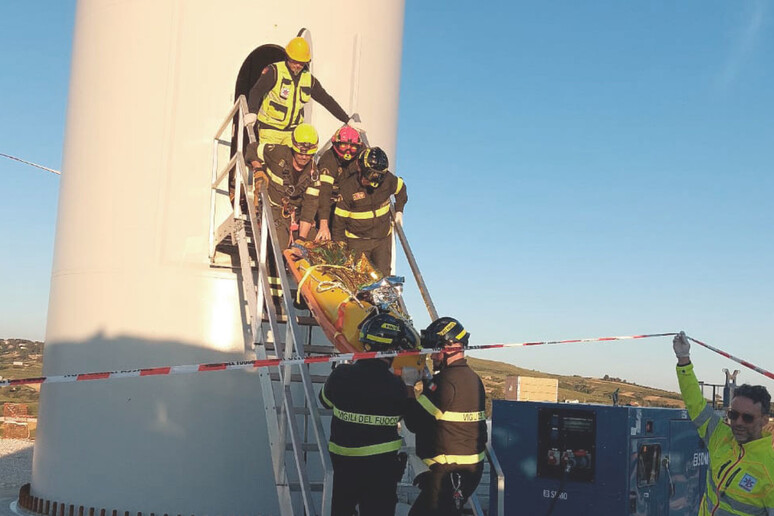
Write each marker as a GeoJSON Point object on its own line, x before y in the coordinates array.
{"type": "Point", "coordinates": [31, 164]}
{"type": "Point", "coordinates": [324, 286]}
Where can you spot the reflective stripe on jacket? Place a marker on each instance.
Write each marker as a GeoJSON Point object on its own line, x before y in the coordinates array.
{"type": "Point", "coordinates": [448, 418]}
{"type": "Point", "coordinates": [283, 105]}
{"type": "Point", "coordinates": [299, 190]}
{"type": "Point", "coordinates": [740, 479]}
{"type": "Point", "coordinates": [367, 402]}
{"type": "Point", "coordinates": [332, 172]}
{"type": "Point", "coordinates": [364, 211]}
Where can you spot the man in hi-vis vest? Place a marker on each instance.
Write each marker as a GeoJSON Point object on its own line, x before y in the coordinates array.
{"type": "Point", "coordinates": [740, 478]}
{"type": "Point", "coordinates": [279, 95]}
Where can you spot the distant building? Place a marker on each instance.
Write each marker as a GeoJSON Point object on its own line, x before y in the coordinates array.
{"type": "Point", "coordinates": [529, 388]}
{"type": "Point", "coordinates": [18, 364]}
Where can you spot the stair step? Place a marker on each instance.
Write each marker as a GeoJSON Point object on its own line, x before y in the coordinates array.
{"type": "Point", "coordinates": [316, 487]}
{"type": "Point", "coordinates": [304, 411]}
{"type": "Point", "coordinates": [301, 320]}
{"type": "Point", "coordinates": [318, 350]}
{"type": "Point", "coordinates": [227, 245]}
{"type": "Point", "coordinates": [307, 447]}
{"type": "Point", "coordinates": [316, 378]}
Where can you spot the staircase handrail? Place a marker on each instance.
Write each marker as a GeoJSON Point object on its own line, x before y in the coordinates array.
{"type": "Point", "coordinates": [297, 349]}
{"type": "Point", "coordinates": [239, 108]}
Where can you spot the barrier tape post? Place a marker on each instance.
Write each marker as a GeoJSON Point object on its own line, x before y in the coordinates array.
{"type": "Point", "coordinates": [276, 362]}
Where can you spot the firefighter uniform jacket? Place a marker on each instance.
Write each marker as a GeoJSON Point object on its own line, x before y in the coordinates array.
{"type": "Point", "coordinates": [740, 479]}
{"type": "Point", "coordinates": [278, 97]}
{"type": "Point", "coordinates": [364, 211]}
{"type": "Point", "coordinates": [449, 417]}
{"type": "Point", "coordinates": [289, 188]}
{"type": "Point", "coordinates": [367, 402]}
{"type": "Point", "coordinates": [332, 172]}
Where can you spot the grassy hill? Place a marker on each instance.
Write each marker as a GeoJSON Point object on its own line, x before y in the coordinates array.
{"type": "Point", "coordinates": [585, 390]}
{"type": "Point", "coordinates": [21, 358]}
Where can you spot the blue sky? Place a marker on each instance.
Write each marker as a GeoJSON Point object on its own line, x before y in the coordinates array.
{"type": "Point", "coordinates": [575, 169]}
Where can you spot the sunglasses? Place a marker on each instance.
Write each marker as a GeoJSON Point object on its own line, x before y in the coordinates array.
{"type": "Point", "coordinates": [733, 415]}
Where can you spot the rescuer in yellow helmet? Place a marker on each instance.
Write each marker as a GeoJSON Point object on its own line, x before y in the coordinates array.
{"type": "Point", "coordinates": [293, 187]}
{"type": "Point", "coordinates": [291, 178]}
{"type": "Point", "coordinates": [279, 95]}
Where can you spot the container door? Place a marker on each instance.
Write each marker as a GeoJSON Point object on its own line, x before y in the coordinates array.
{"type": "Point", "coordinates": [649, 486]}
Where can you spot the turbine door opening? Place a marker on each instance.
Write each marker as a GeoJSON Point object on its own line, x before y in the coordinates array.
{"type": "Point", "coordinates": [249, 74]}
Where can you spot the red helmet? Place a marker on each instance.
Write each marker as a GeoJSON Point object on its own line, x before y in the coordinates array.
{"type": "Point", "coordinates": [346, 142]}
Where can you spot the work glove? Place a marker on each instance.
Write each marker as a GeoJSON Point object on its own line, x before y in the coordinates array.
{"type": "Point", "coordinates": [399, 218]}
{"type": "Point", "coordinates": [681, 345]}
{"type": "Point", "coordinates": [410, 376]}
{"type": "Point", "coordinates": [250, 119]}
{"type": "Point", "coordinates": [259, 178]}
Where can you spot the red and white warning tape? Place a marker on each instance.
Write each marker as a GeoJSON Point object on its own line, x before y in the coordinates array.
{"type": "Point", "coordinates": [738, 360]}
{"type": "Point", "coordinates": [277, 362]}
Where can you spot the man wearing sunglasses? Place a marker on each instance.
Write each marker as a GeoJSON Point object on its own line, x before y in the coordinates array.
{"type": "Point", "coordinates": [279, 95]}
{"type": "Point", "coordinates": [362, 215]}
{"type": "Point", "coordinates": [740, 479]}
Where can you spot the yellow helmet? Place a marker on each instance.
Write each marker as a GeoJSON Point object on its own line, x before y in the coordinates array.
{"type": "Point", "coordinates": [304, 139]}
{"type": "Point", "coordinates": [298, 50]}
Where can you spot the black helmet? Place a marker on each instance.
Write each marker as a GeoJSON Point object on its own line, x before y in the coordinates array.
{"type": "Point", "coordinates": [444, 332]}
{"type": "Point", "coordinates": [385, 332]}
{"type": "Point", "coordinates": [373, 165]}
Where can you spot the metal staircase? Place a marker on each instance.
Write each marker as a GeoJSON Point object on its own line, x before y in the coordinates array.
{"type": "Point", "coordinates": [240, 237]}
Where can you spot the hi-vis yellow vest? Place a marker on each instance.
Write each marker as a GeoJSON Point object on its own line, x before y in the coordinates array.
{"type": "Point", "coordinates": [282, 108]}
{"type": "Point", "coordinates": [739, 479]}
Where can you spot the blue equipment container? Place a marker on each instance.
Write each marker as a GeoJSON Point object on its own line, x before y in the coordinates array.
{"type": "Point", "coordinates": [563, 459]}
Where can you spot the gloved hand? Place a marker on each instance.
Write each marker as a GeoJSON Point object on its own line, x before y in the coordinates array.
{"type": "Point", "coordinates": [299, 251]}
{"type": "Point", "coordinates": [259, 178]}
{"type": "Point", "coordinates": [250, 119]}
{"type": "Point", "coordinates": [681, 346]}
{"type": "Point", "coordinates": [399, 218]}
{"type": "Point", "coordinates": [410, 375]}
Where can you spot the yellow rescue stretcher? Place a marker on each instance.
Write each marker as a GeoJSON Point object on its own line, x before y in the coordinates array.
{"type": "Point", "coordinates": [335, 306]}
